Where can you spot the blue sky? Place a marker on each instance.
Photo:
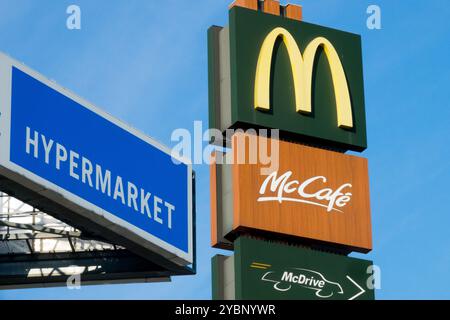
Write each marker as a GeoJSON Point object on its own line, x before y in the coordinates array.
{"type": "Point", "coordinates": [145, 62]}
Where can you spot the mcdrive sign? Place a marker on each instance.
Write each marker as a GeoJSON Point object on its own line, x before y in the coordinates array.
{"type": "Point", "coordinates": [266, 270]}
{"type": "Point", "coordinates": [70, 152]}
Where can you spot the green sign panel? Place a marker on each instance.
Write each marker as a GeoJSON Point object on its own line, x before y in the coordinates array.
{"type": "Point", "coordinates": [265, 270]}
{"type": "Point", "coordinates": [273, 72]}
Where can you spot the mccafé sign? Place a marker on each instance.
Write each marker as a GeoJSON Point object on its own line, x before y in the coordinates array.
{"type": "Point", "coordinates": [272, 72]}
{"type": "Point", "coordinates": [315, 195]}
{"type": "Point", "coordinates": [283, 189]}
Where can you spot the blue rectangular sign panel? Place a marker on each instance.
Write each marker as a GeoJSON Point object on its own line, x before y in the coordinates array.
{"type": "Point", "coordinates": [106, 165]}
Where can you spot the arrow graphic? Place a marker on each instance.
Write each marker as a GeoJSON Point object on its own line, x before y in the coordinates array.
{"type": "Point", "coordinates": [360, 288]}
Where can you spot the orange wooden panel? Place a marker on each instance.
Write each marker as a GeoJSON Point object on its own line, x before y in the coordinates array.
{"type": "Point", "coordinates": [249, 4]}
{"type": "Point", "coordinates": [334, 207]}
{"type": "Point", "coordinates": [272, 6]}
{"type": "Point", "coordinates": [293, 11]}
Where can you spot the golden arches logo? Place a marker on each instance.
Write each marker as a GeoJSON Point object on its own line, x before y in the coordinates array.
{"type": "Point", "coordinates": [302, 70]}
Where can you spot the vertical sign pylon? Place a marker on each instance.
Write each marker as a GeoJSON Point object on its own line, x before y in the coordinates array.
{"type": "Point", "coordinates": [268, 69]}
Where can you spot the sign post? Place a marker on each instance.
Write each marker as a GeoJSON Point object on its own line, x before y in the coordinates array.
{"type": "Point", "coordinates": [270, 70]}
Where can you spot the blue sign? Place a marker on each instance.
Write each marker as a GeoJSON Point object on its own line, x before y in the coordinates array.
{"type": "Point", "coordinates": [110, 166]}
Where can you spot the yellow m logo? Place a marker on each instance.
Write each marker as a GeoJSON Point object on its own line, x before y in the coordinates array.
{"type": "Point", "coordinates": [302, 70]}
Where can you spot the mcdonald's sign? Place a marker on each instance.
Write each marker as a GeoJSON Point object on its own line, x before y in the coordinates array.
{"type": "Point", "coordinates": [273, 72]}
